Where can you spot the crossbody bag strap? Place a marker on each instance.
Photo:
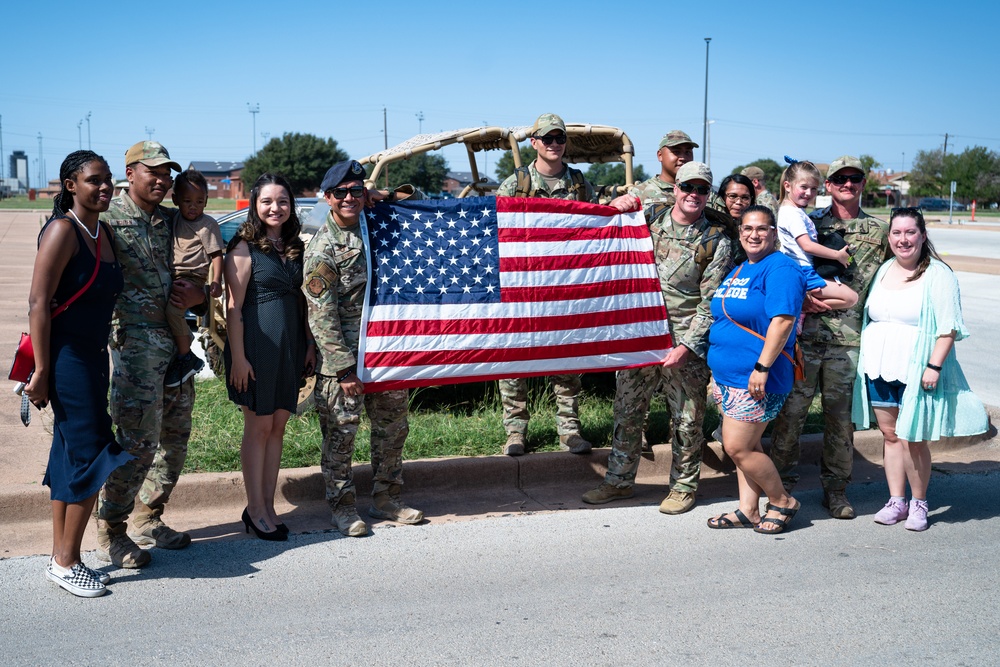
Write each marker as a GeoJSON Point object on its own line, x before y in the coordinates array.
{"type": "Point", "coordinates": [93, 276]}
{"type": "Point", "coordinates": [747, 329]}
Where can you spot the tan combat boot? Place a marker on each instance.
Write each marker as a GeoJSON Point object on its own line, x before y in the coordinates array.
{"type": "Point", "coordinates": [605, 493]}
{"type": "Point", "coordinates": [148, 529]}
{"type": "Point", "coordinates": [114, 546]}
{"type": "Point", "coordinates": [575, 444]}
{"type": "Point", "coordinates": [677, 502]}
{"type": "Point", "coordinates": [345, 518]}
{"type": "Point", "coordinates": [515, 444]}
{"type": "Point", "coordinates": [387, 505]}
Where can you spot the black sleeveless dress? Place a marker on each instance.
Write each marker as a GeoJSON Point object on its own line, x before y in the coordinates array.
{"type": "Point", "coordinates": [84, 451]}
{"type": "Point", "coordinates": [274, 338]}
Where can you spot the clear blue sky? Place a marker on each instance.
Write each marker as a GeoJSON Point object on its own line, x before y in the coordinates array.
{"type": "Point", "coordinates": [812, 80]}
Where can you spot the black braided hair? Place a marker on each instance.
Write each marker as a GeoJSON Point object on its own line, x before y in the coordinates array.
{"type": "Point", "coordinates": [71, 166]}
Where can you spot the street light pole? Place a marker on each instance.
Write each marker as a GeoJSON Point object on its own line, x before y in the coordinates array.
{"type": "Point", "coordinates": [149, 132]}
{"type": "Point", "coordinates": [79, 133]}
{"type": "Point", "coordinates": [41, 177]}
{"type": "Point", "coordinates": [87, 118]}
{"type": "Point", "coordinates": [704, 136]}
{"type": "Point", "coordinates": [420, 118]}
{"type": "Point", "coordinates": [254, 109]}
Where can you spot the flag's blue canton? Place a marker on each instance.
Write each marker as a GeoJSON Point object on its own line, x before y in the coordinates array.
{"type": "Point", "coordinates": [435, 251]}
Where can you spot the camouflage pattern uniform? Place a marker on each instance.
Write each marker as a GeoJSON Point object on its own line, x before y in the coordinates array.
{"type": "Point", "coordinates": [336, 271]}
{"type": "Point", "coordinates": [830, 344]}
{"type": "Point", "coordinates": [566, 388]}
{"type": "Point", "coordinates": [153, 422]}
{"type": "Point", "coordinates": [691, 261]}
{"type": "Point", "coordinates": [653, 192]}
{"type": "Point", "coordinates": [765, 198]}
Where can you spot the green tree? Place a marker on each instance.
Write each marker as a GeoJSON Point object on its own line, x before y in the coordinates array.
{"type": "Point", "coordinates": [772, 173]}
{"type": "Point", "coordinates": [301, 158]}
{"type": "Point", "coordinates": [872, 187]}
{"type": "Point", "coordinates": [927, 174]}
{"type": "Point", "coordinates": [505, 165]}
{"type": "Point", "coordinates": [424, 171]}
{"type": "Point", "coordinates": [612, 173]}
{"type": "Point", "coordinates": [976, 172]}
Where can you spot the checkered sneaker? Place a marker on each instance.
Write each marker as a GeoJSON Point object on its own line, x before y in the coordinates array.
{"type": "Point", "coordinates": [78, 580]}
{"type": "Point", "coordinates": [102, 577]}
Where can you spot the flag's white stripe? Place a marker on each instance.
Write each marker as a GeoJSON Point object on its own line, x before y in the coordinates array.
{"type": "Point", "coordinates": [582, 247]}
{"type": "Point", "coordinates": [527, 339]}
{"type": "Point", "coordinates": [541, 366]}
{"type": "Point", "coordinates": [458, 311]}
{"type": "Point", "coordinates": [574, 277]}
{"type": "Point", "coordinates": [565, 220]}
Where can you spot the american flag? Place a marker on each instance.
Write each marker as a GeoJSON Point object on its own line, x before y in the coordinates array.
{"type": "Point", "coordinates": [482, 288]}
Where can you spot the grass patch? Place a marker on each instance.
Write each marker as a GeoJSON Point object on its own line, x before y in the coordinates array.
{"type": "Point", "coordinates": [455, 420]}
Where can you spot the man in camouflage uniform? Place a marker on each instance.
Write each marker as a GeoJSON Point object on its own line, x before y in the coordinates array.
{"type": "Point", "coordinates": [693, 255]}
{"type": "Point", "coordinates": [830, 342]}
{"type": "Point", "coordinates": [761, 195]}
{"type": "Point", "coordinates": [547, 177]}
{"type": "Point", "coordinates": [675, 150]}
{"type": "Point", "coordinates": [153, 421]}
{"type": "Point", "coordinates": [336, 272]}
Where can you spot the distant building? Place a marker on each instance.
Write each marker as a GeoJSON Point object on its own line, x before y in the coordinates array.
{"type": "Point", "coordinates": [456, 181]}
{"type": "Point", "coordinates": [223, 178]}
{"type": "Point", "coordinates": [19, 168]}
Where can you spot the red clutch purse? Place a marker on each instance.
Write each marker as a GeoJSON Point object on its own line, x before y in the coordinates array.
{"type": "Point", "coordinates": [24, 360]}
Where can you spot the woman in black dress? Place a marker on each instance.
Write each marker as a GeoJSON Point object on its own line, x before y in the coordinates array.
{"type": "Point", "coordinates": [269, 347]}
{"type": "Point", "coordinates": [71, 359]}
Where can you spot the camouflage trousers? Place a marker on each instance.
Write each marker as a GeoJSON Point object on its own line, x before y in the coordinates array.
{"type": "Point", "coordinates": [685, 391]}
{"type": "Point", "coordinates": [831, 369]}
{"type": "Point", "coordinates": [514, 397]}
{"type": "Point", "coordinates": [339, 417]}
{"type": "Point", "coordinates": [153, 423]}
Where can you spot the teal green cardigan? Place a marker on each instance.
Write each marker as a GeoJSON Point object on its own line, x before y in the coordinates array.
{"type": "Point", "coordinates": [951, 409]}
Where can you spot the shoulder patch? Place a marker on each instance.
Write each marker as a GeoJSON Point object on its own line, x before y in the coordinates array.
{"type": "Point", "coordinates": [320, 279]}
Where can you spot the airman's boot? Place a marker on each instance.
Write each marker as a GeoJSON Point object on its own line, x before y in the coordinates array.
{"type": "Point", "coordinates": [605, 493]}
{"type": "Point", "coordinates": [148, 529]}
{"type": "Point", "coordinates": [345, 518]}
{"type": "Point", "coordinates": [114, 546]}
{"type": "Point", "coordinates": [387, 505]}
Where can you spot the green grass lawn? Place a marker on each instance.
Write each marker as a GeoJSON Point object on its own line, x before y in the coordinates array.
{"type": "Point", "coordinates": [216, 206]}
{"type": "Point", "coordinates": [456, 420]}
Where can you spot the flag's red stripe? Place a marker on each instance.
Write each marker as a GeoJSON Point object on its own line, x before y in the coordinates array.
{"type": "Point", "coordinates": [572, 292]}
{"type": "Point", "coordinates": [506, 325]}
{"type": "Point", "coordinates": [589, 261]}
{"type": "Point", "coordinates": [389, 385]}
{"type": "Point", "coordinates": [564, 206]}
{"type": "Point", "coordinates": [501, 355]}
{"type": "Point", "coordinates": [556, 235]}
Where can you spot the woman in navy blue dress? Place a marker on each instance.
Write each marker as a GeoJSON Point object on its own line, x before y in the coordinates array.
{"type": "Point", "coordinates": [71, 359]}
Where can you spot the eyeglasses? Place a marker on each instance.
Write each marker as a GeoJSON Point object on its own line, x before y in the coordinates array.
{"type": "Point", "coordinates": [357, 191]}
{"type": "Point", "coordinates": [840, 179]}
{"type": "Point", "coordinates": [740, 198]}
{"type": "Point", "coordinates": [747, 231]}
{"type": "Point", "coordinates": [548, 139]}
{"type": "Point", "coordinates": [697, 189]}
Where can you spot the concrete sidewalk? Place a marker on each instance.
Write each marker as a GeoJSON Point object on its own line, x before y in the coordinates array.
{"type": "Point", "coordinates": [209, 505]}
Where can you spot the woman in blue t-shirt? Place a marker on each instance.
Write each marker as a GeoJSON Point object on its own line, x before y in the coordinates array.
{"type": "Point", "coordinates": [751, 352]}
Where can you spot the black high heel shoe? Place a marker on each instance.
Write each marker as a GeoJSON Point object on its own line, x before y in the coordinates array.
{"type": "Point", "coordinates": [273, 536]}
{"type": "Point", "coordinates": [281, 528]}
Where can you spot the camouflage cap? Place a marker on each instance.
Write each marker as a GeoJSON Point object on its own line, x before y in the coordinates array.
{"type": "Point", "coordinates": [753, 173]}
{"type": "Point", "coordinates": [348, 170]}
{"type": "Point", "coordinates": [845, 162]}
{"type": "Point", "coordinates": [546, 123]}
{"type": "Point", "coordinates": [151, 154]}
{"type": "Point", "coordinates": [693, 171]}
{"type": "Point", "coordinates": [676, 138]}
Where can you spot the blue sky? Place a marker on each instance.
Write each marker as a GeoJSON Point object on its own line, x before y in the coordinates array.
{"type": "Point", "coordinates": [812, 80]}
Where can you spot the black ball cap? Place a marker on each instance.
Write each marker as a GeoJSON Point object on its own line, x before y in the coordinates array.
{"type": "Point", "coordinates": [349, 170]}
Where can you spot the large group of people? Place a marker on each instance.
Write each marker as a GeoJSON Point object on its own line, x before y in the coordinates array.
{"type": "Point", "coordinates": [751, 320]}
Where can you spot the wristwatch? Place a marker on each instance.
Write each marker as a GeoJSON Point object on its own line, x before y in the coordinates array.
{"type": "Point", "coordinates": [761, 368]}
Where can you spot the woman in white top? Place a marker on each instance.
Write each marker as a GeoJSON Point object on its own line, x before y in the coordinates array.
{"type": "Point", "coordinates": [907, 363]}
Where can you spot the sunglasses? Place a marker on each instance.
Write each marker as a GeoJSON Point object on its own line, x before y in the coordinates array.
{"type": "Point", "coordinates": [357, 191]}
{"type": "Point", "coordinates": [840, 179]}
{"type": "Point", "coordinates": [697, 189]}
{"type": "Point", "coordinates": [907, 211]}
{"type": "Point", "coordinates": [548, 139]}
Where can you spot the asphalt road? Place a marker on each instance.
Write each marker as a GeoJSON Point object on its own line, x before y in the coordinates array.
{"type": "Point", "coordinates": [611, 586]}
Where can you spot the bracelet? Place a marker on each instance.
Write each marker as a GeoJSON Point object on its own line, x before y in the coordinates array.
{"type": "Point", "coordinates": [345, 376]}
{"type": "Point", "coordinates": [933, 367]}
{"type": "Point", "coordinates": [311, 342]}
{"type": "Point", "coordinates": [761, 368]}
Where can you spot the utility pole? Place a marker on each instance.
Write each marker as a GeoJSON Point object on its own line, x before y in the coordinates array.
{"type": "Point", "coordinates": [87, 118]}
{"type": "Point", "coordinates": [385, 139]}
{"type": "Point", "coordinates": [945, 143]}
{"type": "Point", "coordinates": [265, 136]}
{"type": "Point", "coordinates": [1, 148]}
{"type": "Point", "coordinates": [420, 117]}
{"type": "Point", "coordinates": [79, 133]}
{"type": "Point", "coordinates": [254, 109]}
{"type": "Point", "coordinates": [149, 132]}
{"type": "Point", "coordinates": [41, 178]}
{"type": "Point", "coordinates": [704, 135]}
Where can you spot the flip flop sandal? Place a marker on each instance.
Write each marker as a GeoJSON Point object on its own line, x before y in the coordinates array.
{"type": "Point", "coordinates": [722, 523]}
{"type": "Point", "coordinates": [782, 524]}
